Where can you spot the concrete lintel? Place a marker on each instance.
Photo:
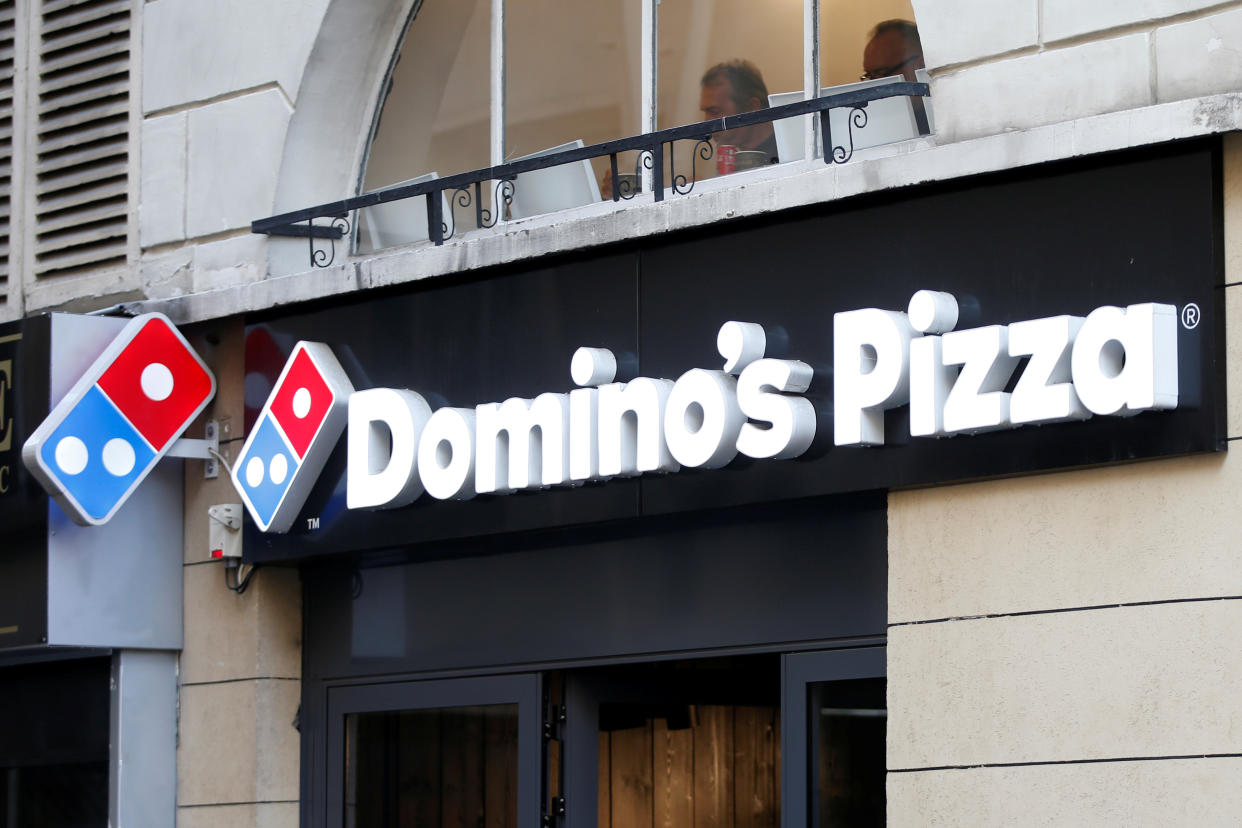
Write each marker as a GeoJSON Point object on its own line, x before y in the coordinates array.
{"type": "Point", "coordinates": [753, 193]}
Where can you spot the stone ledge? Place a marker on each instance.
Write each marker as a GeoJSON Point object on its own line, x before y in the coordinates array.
{"type": "Point", "coordinates": [755, 193]}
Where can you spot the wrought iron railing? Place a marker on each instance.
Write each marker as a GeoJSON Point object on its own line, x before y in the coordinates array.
{"type": "Point", "coordinates": [465, 189]}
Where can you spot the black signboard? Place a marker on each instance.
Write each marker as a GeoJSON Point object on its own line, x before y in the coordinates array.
{"type": "Point", "coordinates": [1065, 238]}
{"type": "Point", "coordinates": [24, 376]}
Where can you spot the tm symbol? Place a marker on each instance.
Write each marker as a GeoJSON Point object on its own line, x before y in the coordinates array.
{"type": "Point", "coordinates": [312, 523]}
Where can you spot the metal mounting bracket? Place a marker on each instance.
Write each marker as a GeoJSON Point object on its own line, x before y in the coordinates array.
{"type": "Point", "coordinates": [195, 449]}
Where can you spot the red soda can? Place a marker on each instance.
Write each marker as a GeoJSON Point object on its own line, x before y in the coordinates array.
{"type": "Point", "coordinates": [726, 159]}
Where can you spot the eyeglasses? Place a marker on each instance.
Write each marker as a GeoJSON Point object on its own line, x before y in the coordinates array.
{"type": "Point", "coordinates": [888, 71]}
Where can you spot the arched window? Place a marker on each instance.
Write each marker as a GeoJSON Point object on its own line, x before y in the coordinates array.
{"type": "Point", "coordinates": [481, 82]}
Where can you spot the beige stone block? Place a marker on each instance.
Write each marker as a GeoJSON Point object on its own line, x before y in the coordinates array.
{"type": "Point", "coordinates": [195, 51]}
{"type": "Point", "coordinates": [1152, 531]}
{"type": "Point", "coordinates": [237, 743]}
{"type": "Point", "coordinates": [1049, 87]}
{"type": "Point", "coordinates": [235, 147]}
{"type": "Point", "coordinates": [230, 262]}
{"type": "Point", "coordinates": [161, 211]}
{"type": "Point", "coordinates": [1149, 794]}
{"type": "Point", "coordinates": [254, 635]}
{"type": "Point", "coordinates": [1233, 351]}
{"type": "Point", "coordinates": [1199, 57]}
{"type": "Point", "coordinates": [257, 815]}
{"type": "Point", "coordinates": [996, 26]}
{"type": "Point", "coordinates": [1123, 682]}
{"type": "Point", "coordinates": [1069, 18]}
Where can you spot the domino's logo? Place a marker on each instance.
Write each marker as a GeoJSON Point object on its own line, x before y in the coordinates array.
{"type": "Point", "coordinates": [121, 417]}
{"type": "Point", "coordinates": [295, 433]}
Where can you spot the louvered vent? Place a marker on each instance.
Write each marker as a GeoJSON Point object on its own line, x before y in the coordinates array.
{"type": "Point", "coordinates": [7, 28]}
{"type": "Point", "coordinates": [81, 159]}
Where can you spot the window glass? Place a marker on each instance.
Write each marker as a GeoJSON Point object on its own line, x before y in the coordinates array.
{"type": "Point", "coordinates": [844, 30]}
{"type": "Point", "coordinates": [435, 116]}
{"type": "Point", "coordinates": [760, 45]}
{"type": "Point", "coordinates": [432, 766]}
{"type": "Point", "coordinates": [848, 722]}
{"type": "Point", "coordinates": [572, 72]}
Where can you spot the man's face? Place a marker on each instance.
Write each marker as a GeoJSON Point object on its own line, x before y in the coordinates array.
{"type": "Point", "coordinates": [716, 101]}
{"type": "Point", "coordinates": [889, 54]}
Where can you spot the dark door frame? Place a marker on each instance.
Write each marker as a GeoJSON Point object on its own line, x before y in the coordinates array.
{"type": "Point", "coordinates": [525, 690]}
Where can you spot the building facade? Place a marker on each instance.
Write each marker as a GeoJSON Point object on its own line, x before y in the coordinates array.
{"type": "Point", "coordinates": [1023, 626]}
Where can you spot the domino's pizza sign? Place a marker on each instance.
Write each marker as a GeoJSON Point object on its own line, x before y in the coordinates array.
{"type": "Point", "coordinates": [119, 419]}
{"type": "Point", "coordinates": [295, 433]}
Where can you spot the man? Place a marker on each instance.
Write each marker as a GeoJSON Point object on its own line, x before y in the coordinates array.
{"type": "Point", "coordinates": [894, 48]}
{"type": "Point", "coordinates": [729, 88]}
{"type": "Point", "coordinates": [733, 87]}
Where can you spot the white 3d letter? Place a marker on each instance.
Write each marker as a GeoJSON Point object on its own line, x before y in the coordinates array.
{"type": "Point", "coordinates": [631, 428]}
{"type": "Point", "coordinates": [791, 420]}
{"type": "Point", "coordinates": [446, 454]}
{"type": "Point", "coordinates": [978, 400]}
{"type": "Point", "coordinates": [1044, 393]}
{"type": "Point", "coordinates": [535, 451]}
{"type": "Point", "coordinates": [380, 474]}
{"type": "Point", "coordinates": [871, 352]}
{"type": "Point", "coordinates": [1125, 361]}
{"type": "Point", "coordinates": [702, 419]}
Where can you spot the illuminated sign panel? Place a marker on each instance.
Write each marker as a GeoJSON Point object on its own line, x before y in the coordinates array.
{"type": "Point", "coordinates": [296, 432]}
{"type": "Point", "coordinates": [1081, 288]}
{"type": "Point", "coordinates": [1114, 362]}
{"type": "Point", "coordinates": [119, 419]}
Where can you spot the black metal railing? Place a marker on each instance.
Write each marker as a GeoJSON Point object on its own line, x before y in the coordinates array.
{"type": "Point", "coordinates": [465, 189]}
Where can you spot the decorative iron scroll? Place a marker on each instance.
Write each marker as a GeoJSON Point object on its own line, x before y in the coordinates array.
{"type": "Point", "coordinates": [857, 118]}
{"type": "Point", "coordinates": [460, 197]}
{"type": "Point", "coordinates": [503, 193]}
{"type": "Point", "coordinates": [338, 228]}
{"type": "Point", "coordinates": [466, 188]}
{"type": "Point", "coordinates": [702, 149]}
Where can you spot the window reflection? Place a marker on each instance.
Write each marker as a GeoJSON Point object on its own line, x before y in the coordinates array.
{"type": "Point", "coordinates": [435, 766]}
{"type": "Point", "coordinates": [435, 117]}
{"type": "Point", "coordinates": [721, 57]}
{"type": "Point", "coordinates": [844, 29]}
{"type": "Point", "coordinates": [848, 720]}
{"type": "Point", "coordinates": [572, 73]}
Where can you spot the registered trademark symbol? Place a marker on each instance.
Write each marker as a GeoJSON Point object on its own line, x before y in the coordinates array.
{"type": "Point", "coordinates": [1191, 316]}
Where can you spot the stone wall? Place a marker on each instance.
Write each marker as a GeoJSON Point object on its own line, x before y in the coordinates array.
{"type": "Point", "coordinates": [1000, 65]}
{"type": "Point", "coordinates": [1063, 648]}
{"type": "Point", "coordinates": [238, 750]}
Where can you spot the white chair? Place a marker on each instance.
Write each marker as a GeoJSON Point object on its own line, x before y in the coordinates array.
{"type": "Point", "coordinates": [554, 188]}
{"type": "Point", "coordinates": [401, 222]}
{"type": "Point", "coordinates": [888, 120]}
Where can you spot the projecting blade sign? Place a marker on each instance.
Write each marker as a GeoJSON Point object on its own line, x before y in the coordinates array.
{"type": "Point", "coordinates": [296, 431]}
{"type": "Point", "coordinates": [119, 419]}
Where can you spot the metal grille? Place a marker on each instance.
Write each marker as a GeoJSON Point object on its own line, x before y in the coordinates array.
{"type": "Point", "coordinates": [8, 12]}
{"type": "Point", "coordinates": [81, 155]}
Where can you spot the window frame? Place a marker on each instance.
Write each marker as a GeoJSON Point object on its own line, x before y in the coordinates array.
{"type": "Point", "coordinates": [798, 672]}
{"type": "Point", "coordinates": [523, 689]}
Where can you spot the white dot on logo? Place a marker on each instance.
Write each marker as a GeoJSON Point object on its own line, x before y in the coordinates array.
{"type": "Point", "coordinates": [254, 472]}
{"type": "Point", "coordinates": [118, 457]}
{"type": "Point", "coordinates": [301, 403]}
{"type": "Point", "coordinates": [157, 381]}
{"type": "Point", "coordinates": [71, 455]}
{"type": "Point", "coordinates": [279, 469]}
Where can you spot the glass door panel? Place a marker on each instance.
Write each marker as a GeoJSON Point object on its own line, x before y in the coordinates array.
{"type": "Point", "coordinates": [834, 720]}
{"type": "Point", "coordinates": [462, 752]}
{"type": "Point", "coordinates": [435, 766]}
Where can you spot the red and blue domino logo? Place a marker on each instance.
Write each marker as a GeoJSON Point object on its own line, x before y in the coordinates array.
{"type": "Point", "coordinates": [293, 436]}
{"type": "Point", "coordinates": [119, 419]}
